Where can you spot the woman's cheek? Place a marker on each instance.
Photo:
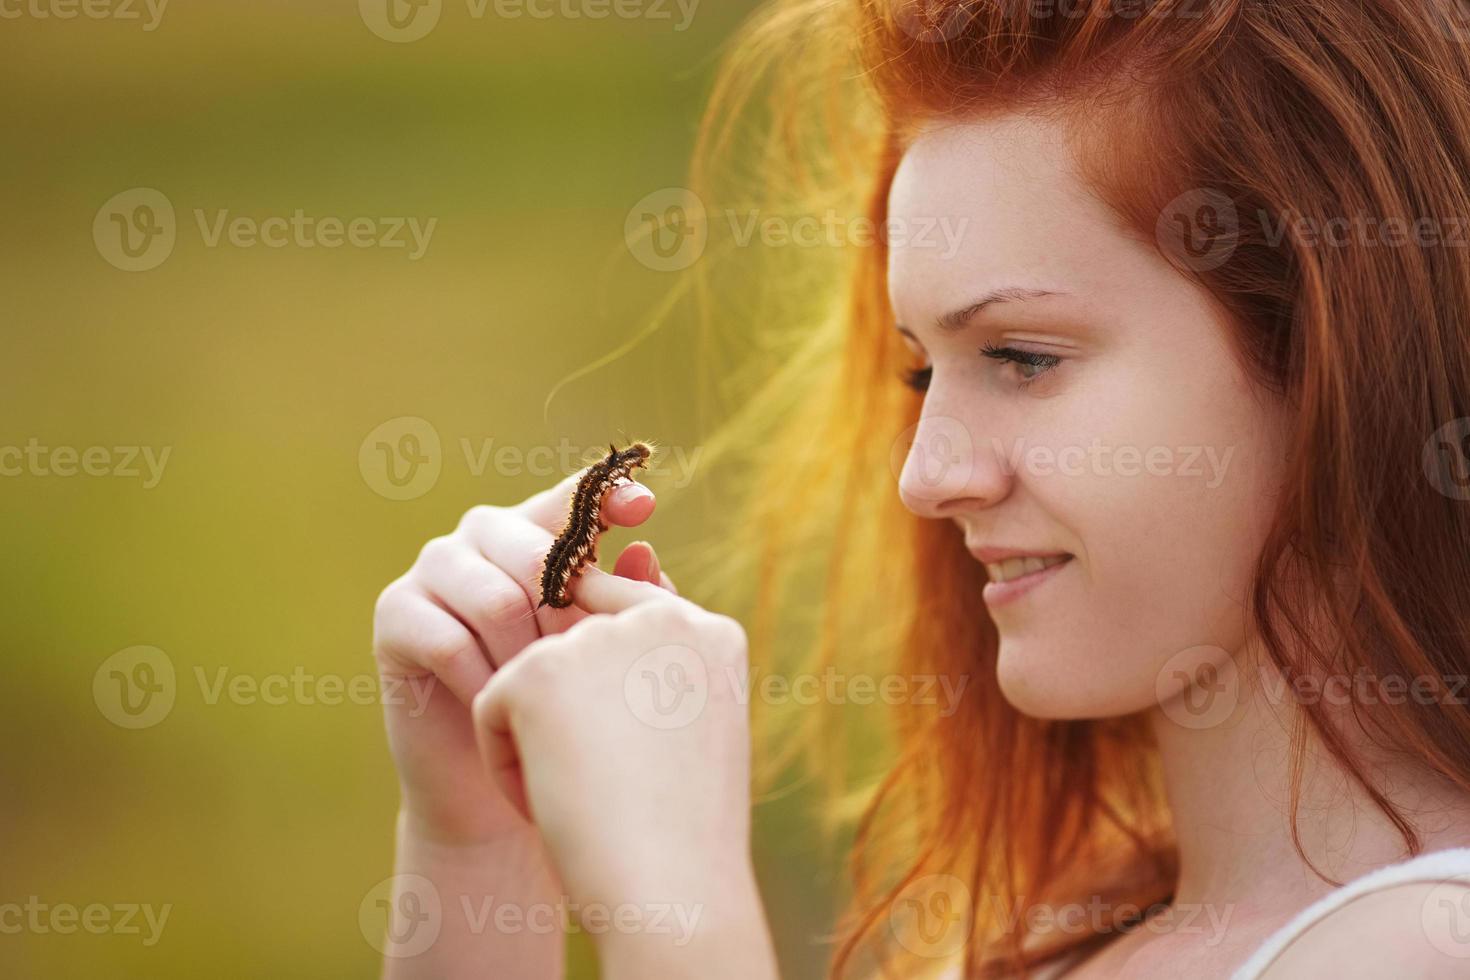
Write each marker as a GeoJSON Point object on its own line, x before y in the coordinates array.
{"type": "Point", "coordinates": [1166, 550]}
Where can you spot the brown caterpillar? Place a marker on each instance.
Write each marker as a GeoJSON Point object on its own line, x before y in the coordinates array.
{"type": "Point", "coordinates": [577, 543]}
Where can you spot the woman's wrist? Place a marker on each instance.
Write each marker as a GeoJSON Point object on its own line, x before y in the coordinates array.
{"type": "Point", "coordinates": [491, 904]}
{"type": "Point", "coordinates": [708, 927]}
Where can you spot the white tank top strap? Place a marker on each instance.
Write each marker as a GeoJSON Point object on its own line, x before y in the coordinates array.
{"type": "Point", "coordinates": [1433, 866]}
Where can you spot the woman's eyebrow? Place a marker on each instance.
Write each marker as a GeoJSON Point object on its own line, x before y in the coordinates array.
{"type": "Point", "coordinates": [958, 319]}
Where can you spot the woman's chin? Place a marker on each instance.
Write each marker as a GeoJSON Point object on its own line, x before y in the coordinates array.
{"type": "Point", "coordinates": [1058, 687]}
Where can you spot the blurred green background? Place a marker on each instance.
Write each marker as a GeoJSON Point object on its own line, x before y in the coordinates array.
{"type": "Point", "coordinates": [262, 371]}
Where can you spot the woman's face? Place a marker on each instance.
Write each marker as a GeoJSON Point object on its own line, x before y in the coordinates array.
{"type": "Point", "coordinates": [1085, 416]}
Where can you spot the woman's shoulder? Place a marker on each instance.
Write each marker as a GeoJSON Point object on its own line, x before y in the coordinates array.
{"type": "Point", "coordinates": [1411, 918]}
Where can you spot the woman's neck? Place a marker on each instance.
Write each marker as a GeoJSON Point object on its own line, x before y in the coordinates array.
{"type": "Point", "coordinates": [1229, 787]}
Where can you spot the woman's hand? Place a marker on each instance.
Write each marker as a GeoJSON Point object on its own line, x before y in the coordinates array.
{"type": "Point", "coordinates": [626, 739]}
{"type": "Point", "coordinates": [464, 610]}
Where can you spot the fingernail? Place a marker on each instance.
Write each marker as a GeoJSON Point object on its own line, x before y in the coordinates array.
{"type": "Point", "coordinates": [634, 492]}
{"type": "Point", "coordinates": [653, 569]}
{"type": "Point", "coordinates": [644, 568]}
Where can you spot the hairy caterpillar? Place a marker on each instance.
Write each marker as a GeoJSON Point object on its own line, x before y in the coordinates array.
{"type": "Point", "coordinates": [576, 545]}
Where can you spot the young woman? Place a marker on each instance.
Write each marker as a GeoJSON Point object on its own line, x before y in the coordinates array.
{"type": "Point", "coordinates": [1183, 497]}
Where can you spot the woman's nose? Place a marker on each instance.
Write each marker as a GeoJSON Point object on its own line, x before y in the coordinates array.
{"type": "Point", "coordinates": [948, 468]}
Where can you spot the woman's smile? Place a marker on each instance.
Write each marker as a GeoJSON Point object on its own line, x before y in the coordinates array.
{"type": "Point", "coordinates": [1018, 575]}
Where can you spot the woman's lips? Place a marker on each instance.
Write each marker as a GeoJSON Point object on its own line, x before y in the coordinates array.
{"type": "Point", "coordinates": [1018, 576]}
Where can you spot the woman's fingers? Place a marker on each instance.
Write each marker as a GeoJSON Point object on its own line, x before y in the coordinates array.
{"type": "Point", "coordinates": [414, 635]}
{"type": "Point", "coordinates": [516, 539]}
{"type": "Point", "coordinates": [506, 539]}
{"type": "Point", "coordinates": [626, 506]}
{"type": "Point", "coordinates": [482, 596]}
{"type": "Point", "coordinates": [638, 562]}
{"type": "Point", "coordinates": [595, 591]}
{"type": "Point", "coordinates": [496, 741]}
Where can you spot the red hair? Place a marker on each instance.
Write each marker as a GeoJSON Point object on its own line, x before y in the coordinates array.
{"type": "Point", "coordinates": [1313, 110]}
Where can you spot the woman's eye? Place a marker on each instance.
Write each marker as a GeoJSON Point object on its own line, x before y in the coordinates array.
{"type": "Point", "coordinates": [1030, 365]}
{"type": "Point", "coordinates": [1029, 371]}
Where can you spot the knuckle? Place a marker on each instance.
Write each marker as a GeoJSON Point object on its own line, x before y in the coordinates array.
{"type": "Point", "coordinates": [729, 639]}
{"type": "Point", "coordinates": [592, 629]}
{"type": "Point", "coordinates": [662, 613]}
{"type": "Point", "coordinates": [728, 630]}
{"type": "Point", "coordinates": [435, 551]}
{"type": "Point", "coordinates": [388, 602]}
{"type": "Point", "coordinates": [437, 642]}
{"type": "Point", "coordinates": [484, 700]}
{"type": "Point", "coordinates": [476, 517]}
{"type": "Point", "coordinates": [502, 604]}
{"type": "Point", "coordinates": [537, 666]}
{"type": "Point", "coordinates": [439, 649]}
{"type": "Point", "coordinates": [392, 613]}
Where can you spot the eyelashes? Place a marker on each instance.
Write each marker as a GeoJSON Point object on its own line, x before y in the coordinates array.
{"type": "Point", "coordinates": [1023, 358]}
{"type": "Point", "coordinates": [918, 378]}
{"type": "Point", "coordinates": [1030, 364]}
{"type": "Point", "coordinates": [576, 545]}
